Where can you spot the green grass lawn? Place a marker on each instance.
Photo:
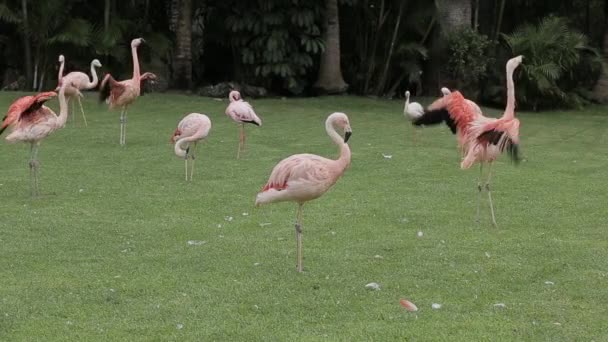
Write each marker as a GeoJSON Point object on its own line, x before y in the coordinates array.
{"type": "Point", "coordinates": [104, 254]}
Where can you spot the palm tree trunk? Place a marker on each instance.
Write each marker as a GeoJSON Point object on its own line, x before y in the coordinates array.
{"type": "Point", "coordinates": [600, 91]}
{"type": "Point", "coordinates": [26, 44]}
{"type": "Point", "coordinates": [182, 72]}
{"type": "Point", "coordinates": [330, 80]}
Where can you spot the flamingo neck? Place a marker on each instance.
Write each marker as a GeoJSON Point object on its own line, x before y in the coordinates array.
{"type": "Point", "coordinates": [63, 108]}
{"type": "Point", "coordinates": [510, 109]}
{"type": "Point", "coordinates": [60, 75]}
{"type": "Point", "coordinates": [179, 150]}
{"type": "Point", "coordinates": [93, 83]}
{"type": "Point", "coordinates": [407, 103]}
{"type": "Point", "coordinates": [136, 74]}
{"type": "Point", "coordinates": [344, 160]}
{"type": "Point", "coordinates": [333, 135]}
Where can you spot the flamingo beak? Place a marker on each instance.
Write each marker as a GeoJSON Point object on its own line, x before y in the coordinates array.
{"type": "Point", "coordinates": [347, 135]}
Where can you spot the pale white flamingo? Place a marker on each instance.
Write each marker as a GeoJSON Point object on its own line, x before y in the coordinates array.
{"type": "Point", "coordinates": [31, 122]}
{"type": "Point", "coordinates": [80, 80]}
{"type": "Point", "coordinates": [241, 112]}
{"type": "Point", "coordinates": [412, 111]}
{"type": "Point", "coordinates": [191, 129]}
{"type": "Point", "coordinates": [304, 177]}
{"type": "Point", "coordinates": [122, 94]}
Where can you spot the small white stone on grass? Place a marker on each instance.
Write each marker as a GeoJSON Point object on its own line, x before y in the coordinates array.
{"type": "Point", "coordinates": [378, 256]}
{"type": "Point", "coordinates": [196, 242]}
{"type": "Point", "coordinates": [219, 226]}
{"type": "Point", "coordinates": [373, 286]}
{"type": "Point", "coordinates": [245, 214]}
{"type": "Point", "coordinates": [500, 305]}
{"type": "Point", "coordinates": [487, 254]}
{"type": "Point", "coordinates": [557, 323]}
{"type": "Point", "coordinates": [256, 264]}
{"type": "Point", "coordinates": [263, 224]}
{"type": "Point", "coordinates": [333, 233]}
{"type": "Point", "coordinates": [179, 326]}
{"type": "Point", "coordinates": [436, 306]}
{"type": "Point", "coordinates": [549, 282]}
{"type": "Point", "coordinates": [228, 218]}
{"type": "Point", "coordinates": [419, 234]}
{"type": "Point", "coordinates": [81, 190]}
{"type": "Point", "coordinates": [387, 156]}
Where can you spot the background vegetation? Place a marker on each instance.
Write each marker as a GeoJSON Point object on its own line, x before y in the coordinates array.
{"type": "Point", "coordinates": [296, 47]}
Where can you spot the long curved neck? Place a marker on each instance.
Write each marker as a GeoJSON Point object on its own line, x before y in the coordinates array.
{"type": "Point", "coordinates": [510, 109]}
{"type": "Point", "coordinates": [93, 83]}
{"type": "Point", "coordinates": [407, 103]}
{"type": "Point", "coordinates": [63, 109]}
{"type": "Point", "coordinates": [344, 159]}
{"type": "Point", "coordinates": [60, 75]}
{"type": "Point", "coordinates": [136, 74]}
{"type": "Point", "coordinates": [180, 151]}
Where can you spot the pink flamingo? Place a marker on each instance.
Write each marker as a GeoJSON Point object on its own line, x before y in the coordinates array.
{"type": "Point", "coordinates": [124, 93]}
{"type": "Point", "coordinates": [80, 80]}
{"type": "Point", "coordinates": [31, 122]}
{"type": "Point", "coordinates": [241, 112]}
{"type": "Point", "coordinates": [191, 129]}
{"type": "Point", "coordinates": [304, 177]}
{"type": "Point", "coordinates": [482, 138]}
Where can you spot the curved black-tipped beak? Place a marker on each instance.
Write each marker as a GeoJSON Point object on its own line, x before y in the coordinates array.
{"type": "Point", "coordinates": [347, 136]}
{"type": "Point", "coordinates": [143, 40]}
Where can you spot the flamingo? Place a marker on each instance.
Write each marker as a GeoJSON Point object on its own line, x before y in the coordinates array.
{"type": "Point", "coordinates": [191, 129]}
{"type": "Point", "coordinates": [474, 107]}
{"type": "Point", "coordinates": [124, 93]}
{"type": "Point", "coordinates": [241, 112]}
{"type": "Point", "coordinates": [31, 122]}
{"type": "Point", "coordinates": [303, 177]}
{"type": "Point", "coordinates": [80, 80]}
{"type": "Point", "coordinates": [412, 111]}
{"type": "Point", "coordinates": [482, 138]}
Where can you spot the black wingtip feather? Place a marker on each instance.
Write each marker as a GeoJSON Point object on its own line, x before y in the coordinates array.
{"type": "Point", "coordinates": [513, 150]}
{"type": "Point", "coordinates": [104, 91]}
{"type": "Point", "coordinates": [435, 117]}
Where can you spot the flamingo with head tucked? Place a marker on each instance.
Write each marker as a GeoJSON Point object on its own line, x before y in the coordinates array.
{"type": "Point", "coordinates": [31, 122]}
{"type": "Point", "coordinates": [80, 81]}
{"type": "Point", "coordinates": [241, 112]}
{"type": "Point", "coordinates": [483, 139]}
{"type": "Point", "coordinates": [191, 129]}
{"type": "Point", "coordinates": [303, 177]}
{"type": "Point", "coordinates": [124, 93]}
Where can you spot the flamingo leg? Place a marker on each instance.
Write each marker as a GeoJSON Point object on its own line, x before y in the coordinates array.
{"type": "Point", "coordinates": [299, 266]}
{"type": "Point", "coordinates": [186, 167]}
{"type": "Point", "coordinates": [123, 125]}
{"type": "Point", "coordinates": [82, 111]}
{"type": "Point", "coordinates": [34, 165]}
{"type": "Point", "coordinates": [490, 195]}
{"type": "Point", "coordinates": [241, 141]}
{"type": "Point", "coordinates": [72, 111]}
{"type": "Point", "coordinates": [479, 189]}
{"type": "Point", "coordinates": [192, 166]}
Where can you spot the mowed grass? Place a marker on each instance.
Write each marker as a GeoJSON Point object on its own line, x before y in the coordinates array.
{"type": "Point", "coordinates": [104, 254]}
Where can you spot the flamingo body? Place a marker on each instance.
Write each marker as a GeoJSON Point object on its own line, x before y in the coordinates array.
{"type": "Point", "coordinates": [304, 177]}
{"type": "Point", "coordinates": [241, 112]}
{"type": "Point", "coordinates": [191, 129]}
{"type": "Point", "coordinates": [30, 121]}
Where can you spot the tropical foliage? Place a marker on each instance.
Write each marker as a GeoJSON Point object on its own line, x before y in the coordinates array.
{"type": "Point", "coordinates": [558, 63]}
{"type": "Point", "coordinates": [385, 46]}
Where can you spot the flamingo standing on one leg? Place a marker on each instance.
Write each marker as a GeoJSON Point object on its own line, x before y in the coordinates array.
{"type": "Point", "coordinates": [241, 112]}
{"type": "Point", "coordinates": [123, 93]}
{"type": "Point", "coordinates": [191, 129]}
{"type": "Point", "coordinates": [80, 80]}
{"type": "Point", "coordinates": [412, 111]}
{"type": "Point", "coordinates": [483, 139]}
{"type": "Point", "coordinates": [304, 177]}
{"type": "Point", "coordinates": [31, 122]}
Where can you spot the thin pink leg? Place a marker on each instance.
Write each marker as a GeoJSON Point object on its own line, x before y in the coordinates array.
{"type": "Point", "coordinates": [299, 267]}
